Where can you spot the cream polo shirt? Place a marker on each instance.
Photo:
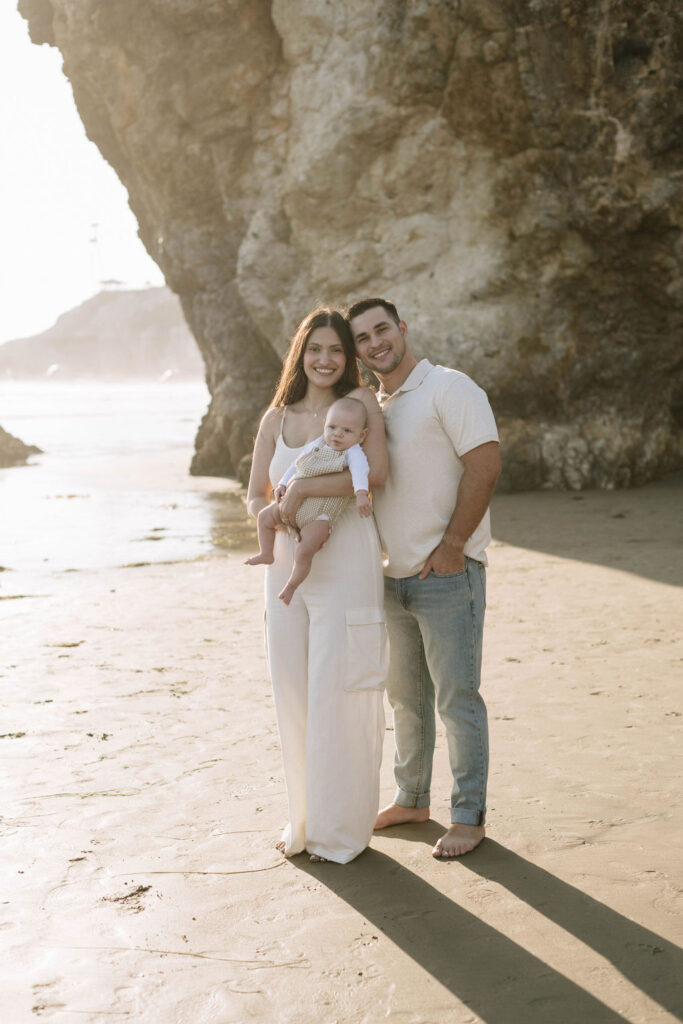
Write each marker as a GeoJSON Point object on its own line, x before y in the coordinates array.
{"type": "Point", "coordinates": [432, 420]}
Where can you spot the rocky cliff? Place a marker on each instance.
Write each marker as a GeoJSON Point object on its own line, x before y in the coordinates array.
{"type": "Point", "coordinates": [115, 334]}
{"type": "Point", "coordinates": [507, 171]}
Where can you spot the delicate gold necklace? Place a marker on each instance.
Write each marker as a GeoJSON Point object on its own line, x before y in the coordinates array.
{"type": "Point", "coordinates": [322, 410]}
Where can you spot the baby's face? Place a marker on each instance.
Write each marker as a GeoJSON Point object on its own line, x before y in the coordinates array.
{"type": "Point", "coordinates": [343, 428]}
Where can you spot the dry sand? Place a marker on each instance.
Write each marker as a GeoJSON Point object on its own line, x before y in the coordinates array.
{"type": "Point", "coordinates": [143, 796]}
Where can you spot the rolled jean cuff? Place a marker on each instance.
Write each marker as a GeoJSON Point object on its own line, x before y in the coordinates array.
{"type": "Point", "coordinates": [461, 816]}
{"type": "Point", "coordinates": [403, 799]}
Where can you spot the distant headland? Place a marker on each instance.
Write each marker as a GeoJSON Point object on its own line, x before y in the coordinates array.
{"type": "Point", "coordinates": [114, 335]}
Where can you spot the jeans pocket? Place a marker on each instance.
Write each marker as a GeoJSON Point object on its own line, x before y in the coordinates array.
{"type": "Point", "coordinates": [367, 649]}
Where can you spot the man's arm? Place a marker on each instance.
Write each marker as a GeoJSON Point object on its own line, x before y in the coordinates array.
{"type": "Point", "coordinates": [477, 484]}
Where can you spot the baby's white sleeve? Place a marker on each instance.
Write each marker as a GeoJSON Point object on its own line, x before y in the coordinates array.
{"type": "Point", "coordinates": [358, 464]}
{"type": "Point", "coordinates": [289, 473]}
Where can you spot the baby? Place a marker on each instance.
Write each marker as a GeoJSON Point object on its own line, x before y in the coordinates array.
{"type": "Point", "coordinates": [338, 448]}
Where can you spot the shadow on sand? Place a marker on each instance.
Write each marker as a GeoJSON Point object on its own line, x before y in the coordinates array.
{"type": "Point", "coordinates": [493, 975]}
{"type": "Point", "coordinates": [636, 531]}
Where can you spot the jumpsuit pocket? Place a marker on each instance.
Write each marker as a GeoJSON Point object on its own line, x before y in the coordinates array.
{"type": "Point", "coordinates": [367, 649]}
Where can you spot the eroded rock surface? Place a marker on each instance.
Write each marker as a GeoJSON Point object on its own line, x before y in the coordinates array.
{"type": "Point", "coordinates": [507, 172]}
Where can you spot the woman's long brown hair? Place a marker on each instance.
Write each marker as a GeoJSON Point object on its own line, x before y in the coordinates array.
{"type": "Point", "coordinates": [293, 382]}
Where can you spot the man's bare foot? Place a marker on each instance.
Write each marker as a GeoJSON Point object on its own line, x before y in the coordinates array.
{"type": "Point", "coordinates": [394, 814]}
{"type": "Point", "coordinates": [287, 593]}
{"type": "Point", "coordinates": [458, 840]}
{"type": "Point", "coordinates": [318, 860]}
{"type": "Point", "coordinates": [259, 560]}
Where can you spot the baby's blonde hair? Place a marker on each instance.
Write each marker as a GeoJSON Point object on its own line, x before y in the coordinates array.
{"type": "Point", "coordinates": [353, 405]}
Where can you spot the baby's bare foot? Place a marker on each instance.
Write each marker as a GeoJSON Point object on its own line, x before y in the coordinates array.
{"type": "Point", "coordinates": [394, 814]}
{"type": "Point", "coordinates": [287, 593]}
{"type": "Point", "coordinates": [259, 560]}
{"type": "Point", "coordinates": [458, 840]}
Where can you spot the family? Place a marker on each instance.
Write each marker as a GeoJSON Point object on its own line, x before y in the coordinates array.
{"type": "Point", "coordinates": [348, 611]}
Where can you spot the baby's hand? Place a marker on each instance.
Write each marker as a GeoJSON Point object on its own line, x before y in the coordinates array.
{"type": "Point", "coordinates": [363, 503]}
{"type": "Point", "coordinates": [279, 492]}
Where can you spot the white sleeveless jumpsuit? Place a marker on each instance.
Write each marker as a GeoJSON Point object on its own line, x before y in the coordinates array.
{"type": "Point", "coordinates": [327, 655]}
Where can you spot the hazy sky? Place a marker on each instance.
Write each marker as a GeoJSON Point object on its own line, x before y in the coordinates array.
{"type": "Point", "coordinates": [54, 186]}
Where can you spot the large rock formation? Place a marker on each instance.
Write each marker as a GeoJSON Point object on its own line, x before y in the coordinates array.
{"type": "Point", "coordinates": [506, 171]}
{"type": "Point", "coordinates": [114, 334]}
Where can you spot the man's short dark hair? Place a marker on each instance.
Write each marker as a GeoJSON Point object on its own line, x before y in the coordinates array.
{"type": "Point", "coordinates": [361, 307]}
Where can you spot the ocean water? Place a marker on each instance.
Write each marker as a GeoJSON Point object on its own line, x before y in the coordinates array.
{"type": "Point", "coordinates": [112, 487]}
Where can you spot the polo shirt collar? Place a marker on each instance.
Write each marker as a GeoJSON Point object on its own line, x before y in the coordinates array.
{"type": "Point", "coordinates": [412, 381]}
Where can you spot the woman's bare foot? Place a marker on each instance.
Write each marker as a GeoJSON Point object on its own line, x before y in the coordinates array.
{"type": "Point", "coordinates": [259, 560]}
{"type": "Point", "coordinates": [318, 860]}
{"type": "Point", "coordinates": [280, 846]}
{"type": "Point", "coordinates": [287, 593]}
{"type": "Point", "coordinates": [394, 814]}
{"type": "Point", "coordinates": [459, 839]}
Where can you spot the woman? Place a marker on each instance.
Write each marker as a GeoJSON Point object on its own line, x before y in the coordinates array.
{"type": "Point", "coordinates": [327, 649]}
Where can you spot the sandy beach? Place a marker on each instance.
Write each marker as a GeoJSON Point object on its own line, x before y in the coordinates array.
{"type": "Point", "coordinates": [143, 795]}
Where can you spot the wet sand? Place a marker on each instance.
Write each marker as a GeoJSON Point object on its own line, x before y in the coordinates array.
{"type": "Point", "coordinates": [143, 795]}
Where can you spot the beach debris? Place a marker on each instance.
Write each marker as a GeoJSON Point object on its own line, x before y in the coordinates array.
{"type": "Point", "coordinates": [131, 900]}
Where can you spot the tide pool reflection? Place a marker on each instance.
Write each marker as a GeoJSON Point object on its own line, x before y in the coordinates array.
{"type": "Point", "coordinates": [231, 528]}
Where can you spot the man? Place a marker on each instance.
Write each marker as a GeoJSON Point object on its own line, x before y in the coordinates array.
{"type": "Point", "coordinates": [433, 520]}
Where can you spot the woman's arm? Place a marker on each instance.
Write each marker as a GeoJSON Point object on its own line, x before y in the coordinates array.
{"type": "Point", "coordinates": [340, 484]}
{"type": "Point", "coordinates": [258, 493]}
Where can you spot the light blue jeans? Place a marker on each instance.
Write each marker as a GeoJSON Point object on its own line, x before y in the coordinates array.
{"type": "Point", "coordinates": [435, 632]}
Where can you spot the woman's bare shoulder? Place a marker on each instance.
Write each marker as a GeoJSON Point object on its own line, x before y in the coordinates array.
{"type": "Point", "coordinates": [271, 421]}
{"type": "Point", "coordinates": [368, 397]}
